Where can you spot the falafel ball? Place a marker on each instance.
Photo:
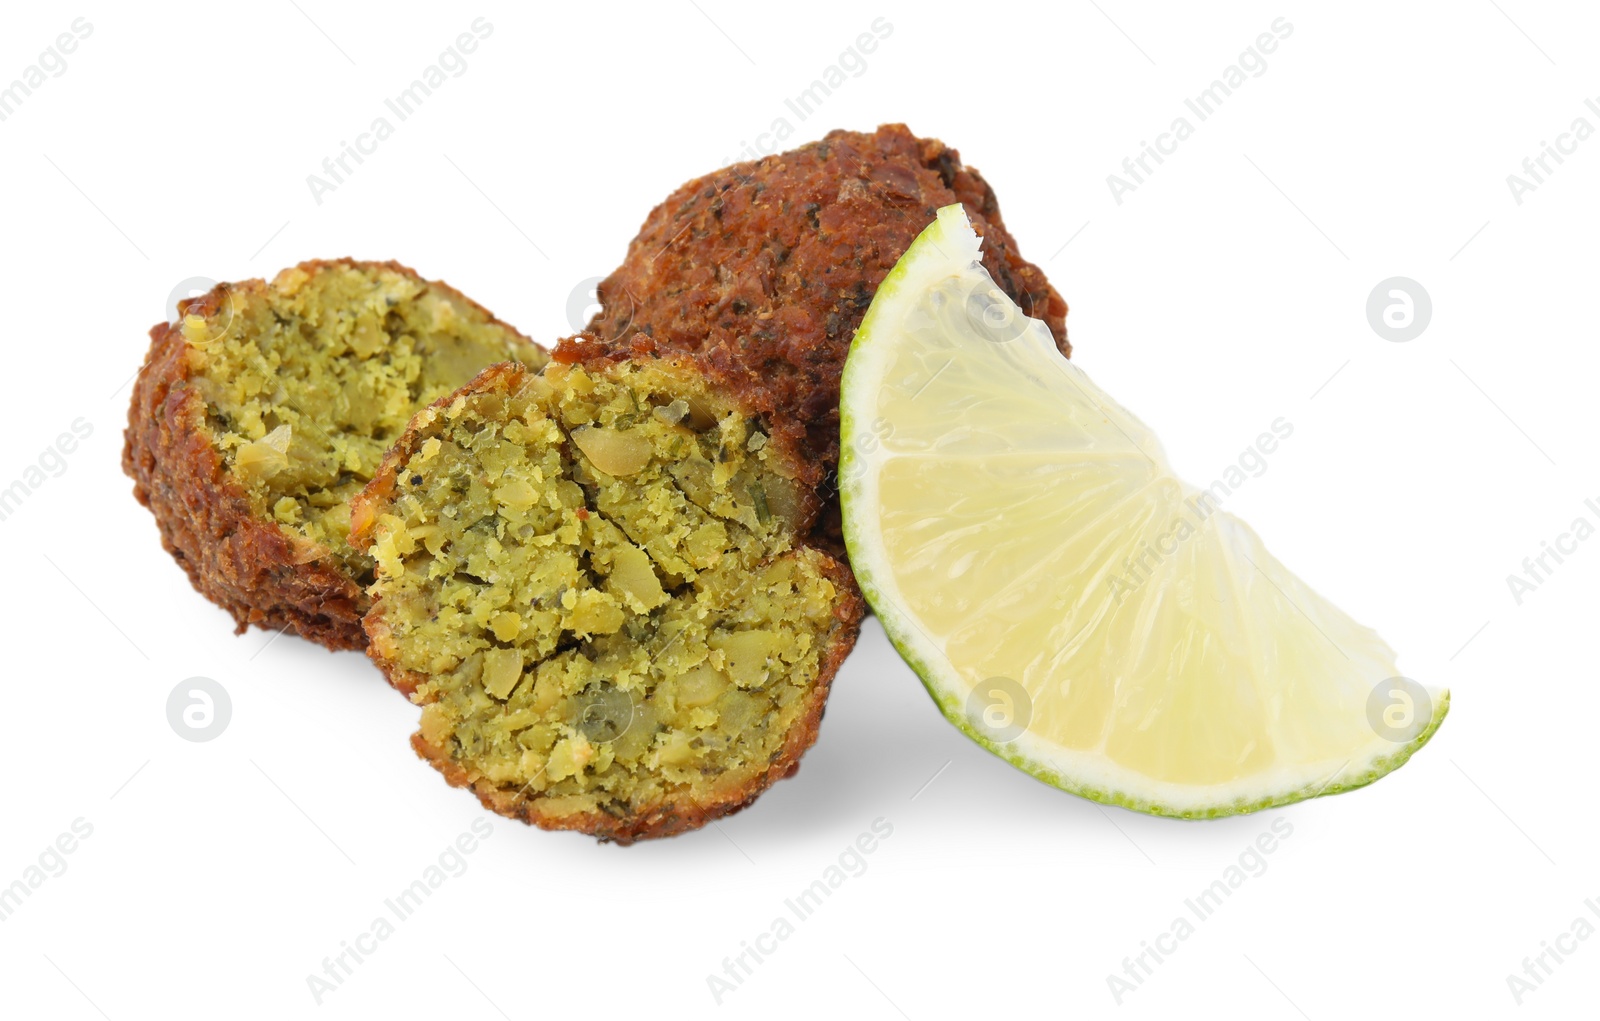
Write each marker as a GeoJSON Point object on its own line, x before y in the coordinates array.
{"type": "Point", "coordinates": [761, 272]}
{"type": "Point", "coordinates": [594, 582]}
{"type": "Point", "coordinates": [266, 407]}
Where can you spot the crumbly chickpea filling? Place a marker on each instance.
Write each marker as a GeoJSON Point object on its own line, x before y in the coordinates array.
{"type": "Point", "coordinates": [596, 576]}
{"type": "Point", "coordinates": [306, 389]}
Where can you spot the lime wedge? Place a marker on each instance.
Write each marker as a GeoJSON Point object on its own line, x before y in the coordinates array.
{"type": "Point", "coordinates": [1070, 603]}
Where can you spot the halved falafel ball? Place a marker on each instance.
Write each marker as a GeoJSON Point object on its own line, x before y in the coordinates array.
{"type": "Point", "coordinates": [266, 407]}
{"type": "Point", "coordinates": [595, 585]}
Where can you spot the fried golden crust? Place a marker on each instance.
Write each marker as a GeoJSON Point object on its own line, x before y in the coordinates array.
{"type": "Point", "coordinates": [761, 273]}
{"type": "Point", "coordinates": [663, 820]}
{"type": "Point", "coordinates": [252, 567]}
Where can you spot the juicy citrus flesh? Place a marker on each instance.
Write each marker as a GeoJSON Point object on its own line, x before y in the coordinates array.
{"type": "Point", "coordinates": [1067, 599]}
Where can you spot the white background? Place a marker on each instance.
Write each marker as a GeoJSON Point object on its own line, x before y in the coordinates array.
{"type": "Point", "coordinates": [1229, 289]}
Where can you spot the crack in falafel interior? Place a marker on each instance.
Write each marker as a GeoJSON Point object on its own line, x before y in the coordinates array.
{"type": "Point", "coordinates": [593, 582]}
{"type": "Point", "coordinates": [308, 380]}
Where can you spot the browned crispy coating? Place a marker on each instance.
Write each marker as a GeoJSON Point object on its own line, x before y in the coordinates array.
{"type": "Point", "coordinates": [245, 562]}
{"type": "Point", "coordinates": [241, 561]}
{"type": "Point", "coordinates": [762, 271]}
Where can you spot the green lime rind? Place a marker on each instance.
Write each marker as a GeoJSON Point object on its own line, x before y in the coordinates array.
{"type": "Point", "coordinates": [895, 623]}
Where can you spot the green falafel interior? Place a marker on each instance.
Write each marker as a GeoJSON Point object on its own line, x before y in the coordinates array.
{"type": "Point", "coordinates": [591, 582]}
{"type": "Point", "coordinates": [308, 381]}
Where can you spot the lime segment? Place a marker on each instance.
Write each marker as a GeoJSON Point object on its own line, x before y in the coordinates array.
{"type": "Point", "coordinates": [1071, 603]}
